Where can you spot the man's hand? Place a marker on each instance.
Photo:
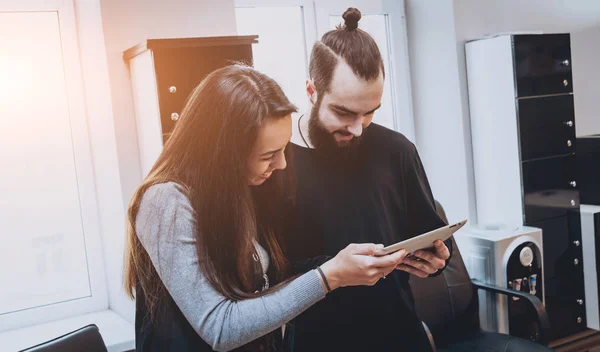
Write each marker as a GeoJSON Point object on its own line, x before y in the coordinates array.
{"type": "Point", "coordinates": [424, 263]}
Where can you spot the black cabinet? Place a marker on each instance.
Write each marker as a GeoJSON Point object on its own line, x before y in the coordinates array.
{"type": "Point", "coordinates": [525, 157]}
{"type": "Point", "coordinates": [185, 68]}
{"type": "Point", "coordinates": [588, 168]}
{"type": "Point", "coordinates": [542, 64]}
{"type": "Point", "coordinates": [546, 126]}
{"type": "Point", "coordinates": [565, 293]}
{"type": "Point", "coordinates": [549, 188]}
{"type": "Point", "coordinates": [164, 72]}
{"type": "Point", "coordinates": [546, 122]}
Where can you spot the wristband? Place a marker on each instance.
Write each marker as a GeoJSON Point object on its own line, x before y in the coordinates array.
{"type": "Point", "coordinates": [324, 279]}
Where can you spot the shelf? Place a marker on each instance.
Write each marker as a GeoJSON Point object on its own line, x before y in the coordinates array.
{"type": "Point", "coordinates": [174, 43]}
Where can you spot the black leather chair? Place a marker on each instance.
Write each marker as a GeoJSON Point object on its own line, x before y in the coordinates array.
{"type": "Point", "coordinates": [86, 339]}
{"type": "Point", "coordinates": [448, 305]}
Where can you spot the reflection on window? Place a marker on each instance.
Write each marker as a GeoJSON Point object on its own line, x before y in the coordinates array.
{"type": "Point", "coordinates": [280, 52]}
{"type": "Point", "coordinates": [377, 27]}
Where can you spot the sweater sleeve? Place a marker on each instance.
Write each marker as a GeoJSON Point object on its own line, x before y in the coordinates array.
{"type": "Point", "coordinates": [165, 227]}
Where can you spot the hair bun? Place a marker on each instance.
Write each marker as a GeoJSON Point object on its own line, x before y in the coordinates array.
{"type": "Point", "coordinates": [351, 18]}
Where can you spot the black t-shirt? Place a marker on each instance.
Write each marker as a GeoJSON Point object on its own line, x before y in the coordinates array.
{"type": "Point", "coordinates": [382, 196]}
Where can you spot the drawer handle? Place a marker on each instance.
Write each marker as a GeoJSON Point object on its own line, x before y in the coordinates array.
{"type": "Point", "coordinates": [576, 261]}
{"type": "Point", "coordinates": [569, 123]}
{"type": "Point", "coordinates": [569, 143]}
{"type": "Point", "coordinates": [172, 89]}
{"type": "Point", "coordinates": [573, 184]}
{"type": "Point", "coordinates": [174, 116]}
{"type": "Point", "coordinates": [580, 302]}
{"type": "Point", "coordinates": [565, 62]}
{"type": "Point", "coordinates": [565, 83]}
{"type": "Point", "coordinates": [573, 202]}
{"type": "Point", "coordinates": [576, 243]}
{"type": "Point", "coordinates": [579, 320]}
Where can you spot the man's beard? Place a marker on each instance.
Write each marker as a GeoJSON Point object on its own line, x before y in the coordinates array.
{"type": "Point", "coordinates": [324, 141]}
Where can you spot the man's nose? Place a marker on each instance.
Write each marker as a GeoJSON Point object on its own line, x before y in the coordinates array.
{"type": "Point", "coordinates": [356, 128]}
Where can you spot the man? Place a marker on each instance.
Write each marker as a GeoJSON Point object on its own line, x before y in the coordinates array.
{"type": "Point", "coordinates": [357, 182]}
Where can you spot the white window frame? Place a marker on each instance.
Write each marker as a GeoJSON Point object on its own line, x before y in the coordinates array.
{"type": "Point", "coordinates": [308, 13]}
{"type": "Point", "coordinates": [316, 23]}
{"type": "Point", "coordinates": [98, 299]}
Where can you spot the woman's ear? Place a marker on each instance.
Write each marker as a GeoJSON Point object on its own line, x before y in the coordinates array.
{"type": "Point", "coordinates": [311, 91]}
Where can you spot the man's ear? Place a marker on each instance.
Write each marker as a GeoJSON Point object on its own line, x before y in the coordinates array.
{"type": "Point", "coordinates": [311, 91]}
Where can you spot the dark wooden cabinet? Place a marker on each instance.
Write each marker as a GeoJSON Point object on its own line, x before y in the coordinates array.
{"type": "Point", "coordinates": [164, 72]}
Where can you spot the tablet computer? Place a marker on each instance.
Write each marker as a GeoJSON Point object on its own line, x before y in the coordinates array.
{"type": "Point", "coordinates": [423, 241]}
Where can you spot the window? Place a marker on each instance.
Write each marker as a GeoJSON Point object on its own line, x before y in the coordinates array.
{"type": "Point", "coordinates": [286, 27]}
{"type": "Point", "coordinates": [41, 219]}
{"type": "Point", "coordinates": [281, 49]}
{"type": "Point", "coordinates": [50, 269]}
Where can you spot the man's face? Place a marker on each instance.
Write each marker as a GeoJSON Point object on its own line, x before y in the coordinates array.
{"type": "Point", "coordinates": [339, 117]}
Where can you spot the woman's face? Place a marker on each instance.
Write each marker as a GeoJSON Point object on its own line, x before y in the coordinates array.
{"type": "Point", "coordinates": [268, 152]}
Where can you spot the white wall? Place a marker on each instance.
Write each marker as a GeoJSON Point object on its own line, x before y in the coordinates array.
{"type": "Point", "coordinates": [126, 23]}
{"type": "Point", "coordinates": [437, 31]}
{"type": "Point", "coordinates": [438, 112]}
{"type": "Point", "coordinates": [585, 46]}
{"type": "Point", "coordinates": [475, 18]}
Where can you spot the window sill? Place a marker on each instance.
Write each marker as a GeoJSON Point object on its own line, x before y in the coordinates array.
{"type": "Point", "coordinates": [117, 333]}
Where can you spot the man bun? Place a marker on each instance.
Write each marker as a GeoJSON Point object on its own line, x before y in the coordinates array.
{"type": "Point", "coordinates": [351, 18]}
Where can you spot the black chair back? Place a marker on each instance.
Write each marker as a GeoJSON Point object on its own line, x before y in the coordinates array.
{"type": "Point", "coordinates": [447, 303]}
{"type": "Point", "coordinates": [86, 339]}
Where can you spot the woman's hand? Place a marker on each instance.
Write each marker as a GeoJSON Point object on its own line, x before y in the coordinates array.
{"type": "Point", "coordinates": [357, 265]}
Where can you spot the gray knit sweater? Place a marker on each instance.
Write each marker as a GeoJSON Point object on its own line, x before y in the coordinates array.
{"type": "Point", "coordinates": [165, 227]}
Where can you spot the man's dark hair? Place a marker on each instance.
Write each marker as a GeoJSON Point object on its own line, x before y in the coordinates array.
{"type": "Point", "coordinates": [349, 43]}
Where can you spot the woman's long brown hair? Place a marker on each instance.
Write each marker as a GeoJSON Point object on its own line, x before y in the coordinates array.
{"type": "Point", "coordinates": [207, 155]}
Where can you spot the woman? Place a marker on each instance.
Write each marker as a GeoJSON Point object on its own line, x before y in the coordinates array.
{"type": "Point", "coordinates": [203, 254]}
